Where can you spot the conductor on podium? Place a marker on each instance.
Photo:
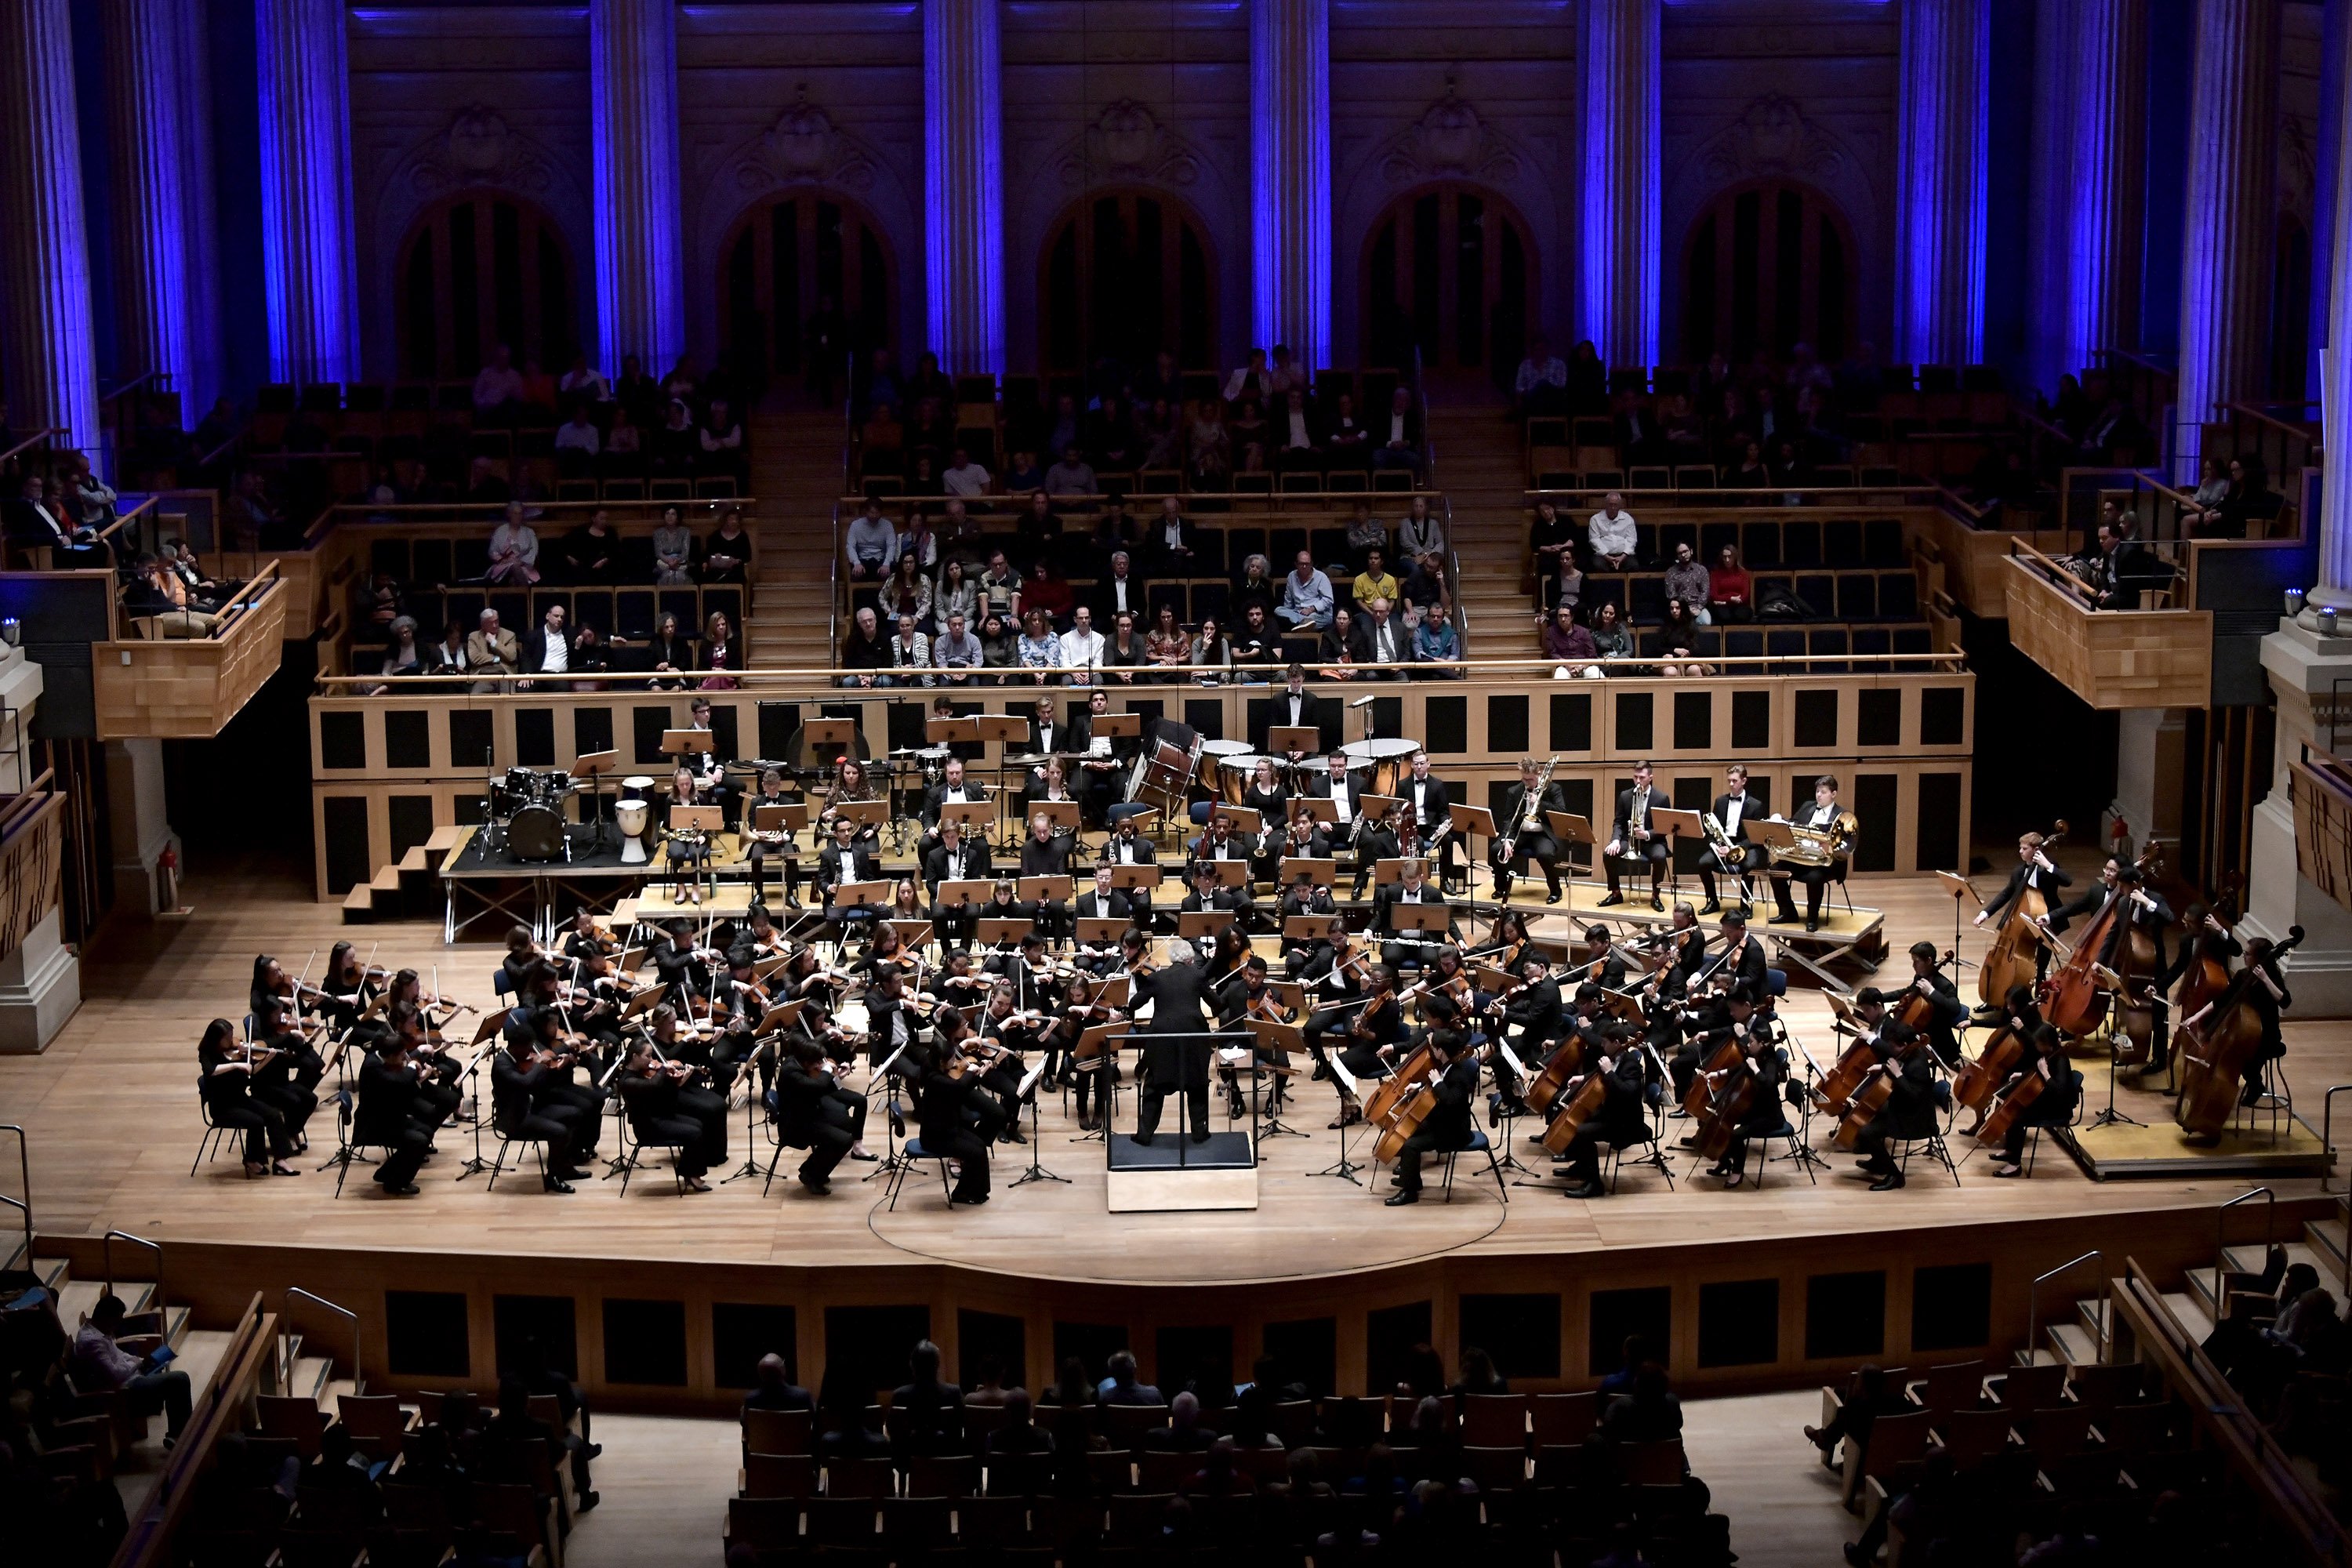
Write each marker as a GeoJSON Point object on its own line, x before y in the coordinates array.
{"type": "Point", "coordinates": [1176, 1043]}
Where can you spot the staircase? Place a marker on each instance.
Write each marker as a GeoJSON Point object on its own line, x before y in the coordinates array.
{"type": "Point", "coordinates": [1483, 472]}
{"type": "Point", "coordinates": [796, 476]}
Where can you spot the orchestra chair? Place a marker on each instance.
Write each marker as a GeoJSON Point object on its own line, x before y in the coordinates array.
{"type": "Point", "coordinates": [910, 1151]}
{"type": "Point", "coordinates": [208, 1145]}
{"type": "Point", "coordinates": [1933, 1147]}
{"type": "Point", "coordinates": [498, 1135]}
{"type": "Point", "coordinates": [347, 1150]}
{"type": "Point", "coordinates": [1656, 1156]}
{"type": "Point", "coordinates": [2033, 1135]}
{"type": "Point", "coordinates": [1479, 1144]}
{"type": "Point", "coordinates": [777, 1144]}
{"type": "Point", "coordinates": [632, 1146]}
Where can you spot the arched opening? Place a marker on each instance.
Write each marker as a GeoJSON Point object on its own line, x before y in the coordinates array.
{"type": "Point", "coordinates": [1451, 269]}
{"type": "Point", "coordinates": [2291, 311]}
{"type": "Point", "coordinates": [477, 271]}
{"type": "Point", "coordinates": [788, 260]}
{"type": "Point", "coordinates": [1124, 275]}
{"type": "Point", "coordinates": [1767, 266]}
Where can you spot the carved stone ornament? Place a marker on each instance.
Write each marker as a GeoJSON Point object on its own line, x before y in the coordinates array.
{"type": "Point", "coordinates": [804, 147]}
{"type": "Point", "coordinates": [1126, 141]}
{"type": "Point", "coordinates": [480, 149]}
{"type": "Point", "coordinates": [1449, 140]}
{"type": "Point", "coordinates": [1771, 137]}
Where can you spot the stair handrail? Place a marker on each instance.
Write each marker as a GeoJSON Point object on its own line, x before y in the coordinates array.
{"type": "Point", "coordinates": [2034, 1296]}
{"type": "Point", "coordinates": [2270, 1212]}
{"type": "Point", "coordinates": [284, 1338]}
{"type": "Point", "coordinates": [2328, 1143]}
{"type": "Point", "coordinates": [23, 1205]}
{"type": "Point", "coordinates": [106, 1250]}
{"type": "Point", "coordinates": [221, 1410]}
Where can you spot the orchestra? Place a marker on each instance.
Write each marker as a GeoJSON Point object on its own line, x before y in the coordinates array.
{"type": "Point", "coordinates": [1600, 1031]}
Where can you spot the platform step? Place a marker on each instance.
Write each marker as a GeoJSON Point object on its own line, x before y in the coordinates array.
{"type": "Point", "coordinates": [311, 1375]}
{"type": "Point", "coordinates": [2092, 1310]}
{"type": "Point", "coordinates": [359, 905]}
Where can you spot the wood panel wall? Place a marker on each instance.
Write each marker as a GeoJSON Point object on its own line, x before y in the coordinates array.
{"type": "Point", "coordinates": [186, 688]}
{"type": "Point", "coordinates": [2112, 658]}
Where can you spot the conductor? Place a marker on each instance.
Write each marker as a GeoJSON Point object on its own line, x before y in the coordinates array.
{"type": "Point", "coordinates": [1176, 1043]}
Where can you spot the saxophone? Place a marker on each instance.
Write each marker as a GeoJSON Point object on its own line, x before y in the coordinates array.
{"type": "Point", "coordinates": [1530, 809]}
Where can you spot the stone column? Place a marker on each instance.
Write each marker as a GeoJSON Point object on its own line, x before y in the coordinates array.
{"type": "Point", "coordinates": [963, 187]}
{"type": "Point", "coordinates": [1939, 198]}
{"type": "Point", "coordinates": [2105, 95]}
{"type": "Point", "coordinates": [633, 81]}
{"type": "Point", "coordinates": [1290, 177]}
{"type": "Point", "coordinates": [2335, 584]}
{"type": "Point", "coordinates": [308, 271]}
{"type": "Point", "coordinates": [2225, 267]}
{"type": "Point", "coordinates": [161, 324]}
{"type": "Point", "coordinates": [139, 829]}
{"type": "Point", "coordinates": [1619, 59]}
{"type": "Point", "coordinates": [47, 343]}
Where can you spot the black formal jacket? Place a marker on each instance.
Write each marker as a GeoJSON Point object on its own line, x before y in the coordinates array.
{"type": "Point", "coordinates": [800, 1101]}
{"type": "Point", "coordinates": [969, 862]}
{"type": "Point", "coordinates": [2049, 883]}
{"type": "Point", "coordinates": [387, 1105]}
{"type": "Point", "coordinates": [1180, 995]}
{"type": "Point", "coordinates": [1448, 1122]}
{"type": "Point", "coordinates": [1622, 825]}
{"type": "Point", "coordinates": [1273, 713]}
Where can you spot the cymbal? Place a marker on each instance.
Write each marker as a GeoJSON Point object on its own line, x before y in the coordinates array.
{"type": "Point", "coordinates": [1029, 760]}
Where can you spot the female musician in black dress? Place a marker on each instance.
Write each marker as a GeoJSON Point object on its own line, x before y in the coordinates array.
{"type": "Point", "coordinates": [226, 1088]}
{"type": "Point", "coordinates": [688, 848]}
{"type": "Point", "coordinates": [945, 1100]}
{"type": "Point", "coordinates": [650, 1092]}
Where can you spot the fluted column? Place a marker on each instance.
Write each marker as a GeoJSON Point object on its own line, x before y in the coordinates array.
{"type": "Point", "coordinates": [964, 185]}
{"type": "Point", "coordinates": [1619, 57]}
{"type": "Point", "coordinates": [633, 81]}
{"type": "Point", "coordinates": [2107, 161]}
{"type": "Point", "coordinates": [2225, 252]}
{"type": "Point", "coordinates": [47, 341]}
{"type": "Point", "coordinates": [309, 273]}
{"type": "Point", "coordinates": [2334, 586]}
{"type": "Point", "coordinates": [1939, 199]}
{"type": "Point", "coordinates": [1290, 176]}
{"type": "Point", "coordinates": [159, 320]}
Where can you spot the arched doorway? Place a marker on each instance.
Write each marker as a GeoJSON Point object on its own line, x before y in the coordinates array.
{"type": "Point", "coordinates": [1125, 273]}
{"type": "Point", "coordinates": [1451, 268]}
{"type": "Point", "coordinates": [477, 271]}
{"type": "Point", "coordinates": [786, 259]}
{"type": "Point", "coordinates": [1767, 266]}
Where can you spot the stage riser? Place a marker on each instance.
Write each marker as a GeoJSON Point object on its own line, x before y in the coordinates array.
{"type": "Point", "coordinates": [1536, 1313]}
{"type": "Point", "coordinates": [386, 772]}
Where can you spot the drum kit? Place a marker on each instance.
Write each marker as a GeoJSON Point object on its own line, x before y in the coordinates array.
{"type": "Point", "coordinates": [524, 815]}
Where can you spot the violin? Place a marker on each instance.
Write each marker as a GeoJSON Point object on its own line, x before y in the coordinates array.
{"type": "Point", "coordinates": [2010, 961]}
{"type": "Point", "coordinates": [2223, 1045]}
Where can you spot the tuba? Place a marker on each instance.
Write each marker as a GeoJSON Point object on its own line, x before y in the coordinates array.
{"type": "Point", "coordinates": [1820, 846]}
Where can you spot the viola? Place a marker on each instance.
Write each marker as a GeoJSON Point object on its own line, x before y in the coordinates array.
{"type": "Point", "coordinates": [2221, 1049]}
{"type": "Point", "coordinates": [2010, 959]}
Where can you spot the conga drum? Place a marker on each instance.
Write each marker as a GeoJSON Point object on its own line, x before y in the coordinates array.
{"type": "Point", "coordinates": [633, 814]}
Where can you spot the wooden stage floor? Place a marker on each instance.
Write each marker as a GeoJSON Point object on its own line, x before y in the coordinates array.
{"type": "Point", "coordinates": [113, 1121]}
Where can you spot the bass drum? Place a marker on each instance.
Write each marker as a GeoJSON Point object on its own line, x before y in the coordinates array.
{"type": "Point", "coordinates": [535, 834]}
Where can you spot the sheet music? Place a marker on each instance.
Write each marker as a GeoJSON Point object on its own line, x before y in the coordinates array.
{"type": "Point", "coordinates": [1511, 1056]}
{"type": "Point", "coordinates": [1347, 1080]}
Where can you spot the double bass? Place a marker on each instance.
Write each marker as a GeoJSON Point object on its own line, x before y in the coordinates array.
{"type": "Point", "coordinates": [2010, 960]}
{"type": "Point", "coordinates": [2218, 1048]}
{"type": "Point", "coordinates": [2207, 976]}
{"type": "Point", "coordinates": [2078, 998]}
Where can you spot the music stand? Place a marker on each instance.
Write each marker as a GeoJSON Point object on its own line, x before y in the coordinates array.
{"type": "Point", "coordinates": [1129, 877]}
{"type": "Point", "coordinates": [593, 766]}
{"type": "Point", "coordinates": [1037, 890]}
{"type": "Point", "coordinates": [1225, 873]}
{"type": "Point", "coordinates": [1002, 731]}
{"type": "Point", "coordinates": [1101, 930]}
{"type": "Point", "coordinates": [1387, 871]}
{"type": "Point", "coordinates": [971, 815]}
{"type": "Point", "coordinates": [1676, 825]}
{"type": "Point", "coordinates": [1956, 884]}
{"type": "Point", "coordinates": [1062, 813]}
{"type": "Point", "coordinates": [829, 733]}
{"type": "Point", "coordinates": [1378, 807]}
{"type": "Point", "coordinates": [1243, 818]}
{"type": "Point", "coordinates": [912, 933]}
{"type": "Point", "coordinates": [1269, 1035]}
{"type": "Point", "coordinates": [1118, 726]}
{"type": "Point", "coordinates": [1471, 821]}
{"type": "Point", "coordinates": [864, 813]}
{"type": "Point", "coordinates": [1304, 738]}
{"type": "Point", "coordinates": [1092, 1052]}
{"type": "Point", "coordinates": [1323, 873]}
{"type": "Point", "coordinates": [998, 931]}
{"type": "Point", "coordinates": [1027, 1093]}
{"type": "Point", "coordinates": [1205, 923]}
{"type": "Point", "coordinates": [959, 731]}
{"type": "Point", "coordinates": [962, 893]}
{"type": "Point", "coordinates": [1310, 928]}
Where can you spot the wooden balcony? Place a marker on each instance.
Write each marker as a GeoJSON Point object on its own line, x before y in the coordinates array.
{"type": "Point", "coordinates": [2110, 659]}
{"type": "Point", "coordinates": [188, 688]}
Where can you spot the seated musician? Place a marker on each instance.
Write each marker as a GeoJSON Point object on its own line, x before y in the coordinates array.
{"type": "Point", "coordinates": [772, 793]}
{"type": "Point", "coordinates": [847, 860]}
{"type": "Point", "coordinates": [2145, 910]}
{"type": "Point", "coordinates": [1824, 816]}
{"type": "Point", "coordinates": [2269, 997]}
{"type": "Point", "coordinates": [1049, 782]}
{"type": "Point", "coordinates": [1013, 1028]}
{"type": "Point", "coordinates": [1433, 817]}
{"type": "Point", "coordinates": [1336, 971]}
{"type": "Point", "coordinates": [947, 1106]}
{"type": "Point", "coordinates": [531, 1103]}
{"type": "Point", "coordinates": [1029, 968]}
{"type": "Point", "coordinates": [286, 1082]}
{"type": "Point", "coordinates": [2062, 1090]}
{"type": "Point", "coordinates": [1371, 1029]}
{"type": "Point", "coordinates": [956, 984]}
{"type": "Point", "coordinates": [225, 1087]}
{"type": "Point", "coordinates": [688, 849]}
{"type": "Point", "coordinates": [438, 1095]}
{"type": "Point", "coordinates": [812, 1111]}
{"type": "Point", "coordinates": [1079, 1011]}
{"type": "Point", "coordinates": [1101, 901]}
{"type": "Point", "coordinates": [1948, 1010]}
{"type": "Point", "coordinates": [851, 784]}
{"type": "Point", "coordinates": [1732, 855]}
{"type": "Point", "coordinates": [2020, 1016]}
{"type": "Point", "coordinates": [2208, 938]}
{"type": "Point", "coordinates": [1046, 853]}
{"type": "Point", "coordinates": [388, 1116]}
{"type": "Point", "coordinates": [696, 1053]}
{"type": "Point", "coordinates": [956, 858]}
{"type": "Point", "coordinates": [1535, 1017]}
{"type": "Point", "coordinates": [1407, 947]}
{"type": "Point", "coordinates": [1344, 792]}
{"type": "Point", "coordinates": [1715, 1013]}
{"type": "Point", "coordinates": [1524, 828]}
{"type": "Point", "coordinates": [1267, 795]}
{"type": "Point", "coordinates": [1103, 760]}
{"type": "Point", "coordinates": [2036, 871]}
{"type": "Point", "coordinates": [1762, 1115]}
{"type": "Point", "coordinates": [1507, 944]}
{"type": "Point", "coordinates": [804, 979]}
{"type": "Point", "coordinates": [1632, 839]}
{"type": "Point", "coordinates": [892, 1018]}
{"type": "Point", "coordinates": [1242, 996]}
{"type": "Point", "coordinates": [1454, 1081]}
{"type": "Point", "coordinates": [1599, 949]}
{"type": "Point", "coordinates": [682, 969]}
{"type": "Point", "coordinates": [1208, 894]}
{"type": "Point", "coordinates": [1006, 904]}
{"type": "Point", "coordinates": [953, 789]}
{"type": "Point", "coordinates": [1623, 1119]}
{"type": "Point", "coordinates": [1127, 846]}
{"type": "Point", "coordinates": [650, 1090]}
{"type": "Point", "coordinates": [1299, 955]}
{"type": "Point", "coordinates": [1910, 1110]}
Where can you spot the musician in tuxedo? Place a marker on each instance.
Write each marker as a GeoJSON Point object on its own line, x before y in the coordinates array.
{"type": "Point", "coordinates": [1454, 1081]}
{"type": "Point", "coordinates": [1045, 853]}
{"type": "Point", "coordinates": [1101, 901]}
{"type": "Point", "coordinates": [1407, 947]}
{"type": "Point", "coordinates": [1745, 965]}
{"type": "Point", "coordinates": [1822, 815]}
{"type": "Point", "coordinates": [845, 861]}
{"type": "Point", "coordinates": [389, 1117]}
{"type": "Point", "coordinates": [955, 858]}
{"type": "Point", "coordinates": [1223, 841]}
{"type": "Point", "coordinates": [1734, 809]}
{"type": "Point", "coordinates": [1176, 1047]}
{"type": "Point", "coordinates": [1207, 894]}
{"type": "Point", "coordinates": [1299, 955]}
{"type": "Point", "coordinates": [1433, 815]}
{"type": "Point", "coordinates": [2054, 1106]}
{"type": "Point", "coordinates": [2037, 872]}
{"type": "Point", "coordinates": [2120, 881]}
{"type": "Point", "coordinates": [1910, 1110]}
{"type": "Point", "coordinates": [1103, 760]}
{"type": "Point", "coordinates": [772, 793]}
{"type": "Point", "coordinates": [1761, 1060]}
{"type": "Point", "coordinates": [1534, 840]}
{"type": "Point", "coordinates": [1633, 838]}
{"type": "Point", "coordinates": [1623, 1119]}
{"type": "Point", "coordinates": [1294, 708]}
{"type": "Point", "coordinates": [953, 789]}
{"type": "Point", "coordinates": [1126, 846]}
{"type": "Point", "coordinates": [1047, 733]}
{"type": "Point", "coordinates": [1535, 1017]}
{"type": "Point", "coordinates": [526, 1107]}
{"type": "Point", "coordinates": [1947, 1011]}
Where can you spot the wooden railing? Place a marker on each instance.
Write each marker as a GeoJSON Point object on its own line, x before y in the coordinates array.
{"type": "Point", "coordinates": [187, 687]}
{"type": "Point", "coordinates": [2110, 659]}
{"type": "Point", "coordinates": [150, 1540]}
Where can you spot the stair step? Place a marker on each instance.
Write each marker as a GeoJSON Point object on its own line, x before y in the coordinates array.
{"type": "Point", "coordinates": [359, 904]}
{"type": "Point", "coordinates": [2326, 1235]}
{"type": "Point", "coordinates": [2093, 1312]}
{"type": "Point", "coordinates": [2189, 1313]}
{"type": "Point", "coordinates": [311, 1375]}
{"type": "Point", "coordinates": [2249, 1259]}
{"type": "Point", "coordinates": [2074, 1344]}
{"type": "Point", "coordinates": [78, 1298]}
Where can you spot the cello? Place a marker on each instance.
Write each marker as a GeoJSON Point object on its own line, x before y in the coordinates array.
{"type": "Point", "coordinates": [1979, 1077]}
{"type": "Point", "coordinates": [1543, 1088]}
{"type": "Point", "coordinates": [1994, 1128]}
{"type": "Point", "coordinates": [1589, 1097]}
{"type": "Point", "coordinates": [2216, 1057]}
{"type": "Point", "coordinates": [2076, 997]}
{"type": "Point", "coordinates": [1409, 1113]}
{"type": "Point", "coordinates": [2010, 960]}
